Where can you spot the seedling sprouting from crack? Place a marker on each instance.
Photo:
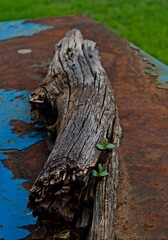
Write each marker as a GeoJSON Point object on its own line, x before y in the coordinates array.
{"type": "Point", "coordinates": [105, 146]}
{"type": "Point", "coordinates": [99, 172]}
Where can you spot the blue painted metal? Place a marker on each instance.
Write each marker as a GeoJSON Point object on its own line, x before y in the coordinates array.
{"type": "Point", "coordinates": [144, 159]}
{"type": "Point", "coordinates": [158, 68]}
{"type": "Point", "coordinates": [20, 28]}
{"type": "Point", "coordinates": [13, 197]}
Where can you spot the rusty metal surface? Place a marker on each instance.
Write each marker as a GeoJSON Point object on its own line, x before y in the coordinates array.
{"type": "Point", "coordinates": [143, 109]}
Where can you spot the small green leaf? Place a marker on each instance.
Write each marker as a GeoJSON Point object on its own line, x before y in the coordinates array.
{"type": "Point", "coordinates": [110, 146]}
{"type": "Point", "coordinates": [100, 147]}
{"type": "Point", "coordinates": [103, 174]}
{"type": "Point", "coordinates": [95, 173]}
{"type": "Point", "coordinates": [100, 168]}
{"type": "Point", "coordinates": [105, 142]}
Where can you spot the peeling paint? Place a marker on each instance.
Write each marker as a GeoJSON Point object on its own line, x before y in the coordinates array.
{"type": "Point", "coordinates": [154, 68]}
{"type": "Point", "coordinates": [14, 106]}
{"type": "Point", "coordinates": [20, 28]}
{"type": "Point", "coordinates": [13, 197]}
{"type": "Point", "coordinates": [13, 205]}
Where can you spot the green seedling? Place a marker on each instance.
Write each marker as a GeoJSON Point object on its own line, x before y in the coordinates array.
{"type": "Point", "coordinates": [105, 146]}
{"type": "Point", "coordinates": [100, 172]}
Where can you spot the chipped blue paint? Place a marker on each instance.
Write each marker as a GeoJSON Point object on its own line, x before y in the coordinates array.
{"type": "Point", "coordinates": [14, 106]}
{"type": "Point", "coordinates": [13, 197]}
{"type": "Point", "coordinates": [158, 69]}
{"type": "Point", "coordinates": [13, 206]}
{"type": "Point", "coordinates": [20, 28]}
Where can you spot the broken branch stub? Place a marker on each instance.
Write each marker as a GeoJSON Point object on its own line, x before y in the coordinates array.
{"type": "Point", "coordinates": [78, 104]}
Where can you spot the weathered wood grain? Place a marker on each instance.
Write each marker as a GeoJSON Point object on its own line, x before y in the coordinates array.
{"type": "Point", "coordinates": [78, 104]}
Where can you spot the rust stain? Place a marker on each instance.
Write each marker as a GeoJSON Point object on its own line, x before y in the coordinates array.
{"type": "Point", "coordinates": [21, 127]}
{"type": "Point", "coordinates": [27, 164]}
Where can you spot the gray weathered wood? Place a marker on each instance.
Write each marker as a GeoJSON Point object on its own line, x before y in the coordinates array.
{"type": "Point", "coordinates": [77, 101]}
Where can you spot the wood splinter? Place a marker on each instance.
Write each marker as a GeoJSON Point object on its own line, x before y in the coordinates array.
{"type": "Point", "coordinates": [77, 102]}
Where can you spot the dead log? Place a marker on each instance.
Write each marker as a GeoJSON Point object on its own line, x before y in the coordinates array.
{"type": "Point", "coordinates": [78, 104]}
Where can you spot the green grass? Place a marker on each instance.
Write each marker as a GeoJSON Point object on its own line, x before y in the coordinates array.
{"type": "Point", "coordinates": [142, 22]}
